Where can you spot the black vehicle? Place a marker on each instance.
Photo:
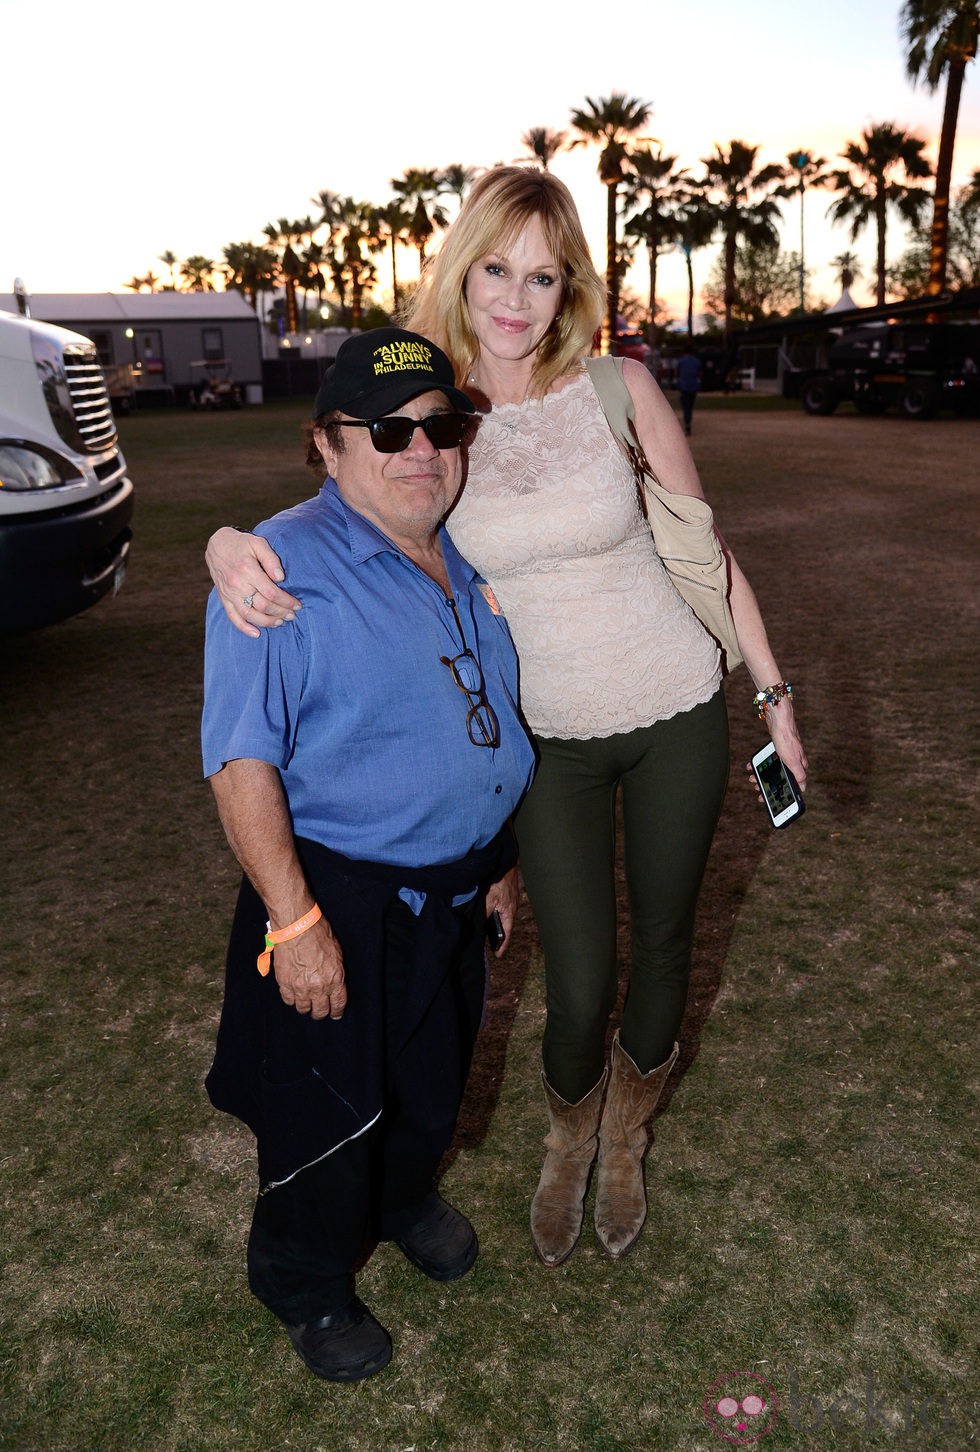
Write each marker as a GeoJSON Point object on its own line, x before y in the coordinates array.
{"type": "Point", "coordinates": [917, 367]}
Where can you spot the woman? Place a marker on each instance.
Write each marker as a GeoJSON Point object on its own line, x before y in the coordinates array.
{"type": "Point", "coordinates": [619, 681]}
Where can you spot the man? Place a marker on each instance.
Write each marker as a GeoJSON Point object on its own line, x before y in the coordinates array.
{"type": "Point", "coordinates": [688, 383]}
{"type": "Point", "coordinates": [365, 759]}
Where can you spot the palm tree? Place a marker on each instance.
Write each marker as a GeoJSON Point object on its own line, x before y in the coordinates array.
{"type": "Point", "coordinates": [198, 274]}
{"type": "Point", "coordinates": [654, 180]}
{"type": "Point", "coordinates": [249, 269]}
{"type": "Point", "coordinates": [884, 166]}
{"type": "Point", "coordinates": [971, 193]}
{"type": "Point", "coordinates": [363, 236]}
{"type": "Point", "coordinates": [695, 229]}
{"type": "Point", "coordinates": [544, 145]}
{"type": "Point", "coordinates": [289, 265]}
{"type": "Point", "coordinates": [419, 191]}
{"type": "Point", "coordinates": [609, 123]}
{"type": "Point", "coordinates": [809, 171]}
{"type": "Point", "coordinates": [848, 269]}
{"type": "Point", "coordinates": [741, 199]}
{"type": "Point", "coordinates": [137, 284]}
{"type": "Point", "coordinates": [311, 259]}
{"type": "Point", "coordinates": [169, 259]}
{"type": "Point", "coordinates": [456, 180]}
{"type": "Point", "coordinates": [355, 230]}
{"type": "Point", "coordinates": [941, 36]}
{"type": "Point", "coordinates": [392, 223]}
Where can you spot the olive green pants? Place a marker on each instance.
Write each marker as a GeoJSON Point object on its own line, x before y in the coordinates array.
{"type": "Point", "coordinates": [672, 776]}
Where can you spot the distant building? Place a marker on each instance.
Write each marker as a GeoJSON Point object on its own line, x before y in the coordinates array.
{"type": "Point", "coordinates": [170, 342]}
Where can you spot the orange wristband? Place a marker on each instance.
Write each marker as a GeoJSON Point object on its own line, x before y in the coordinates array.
{"type": "Point", "coordinates": [282, 935]}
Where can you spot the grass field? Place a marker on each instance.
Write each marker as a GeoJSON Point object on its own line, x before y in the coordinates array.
{"type": "Point", "coordinates": [813, 1179]}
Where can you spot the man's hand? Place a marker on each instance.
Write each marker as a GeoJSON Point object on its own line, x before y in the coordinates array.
{"type": "Point", "coordinates": [310, 972]}
{"type": "Point", "coordinates": [503, 896]}
{"type": "Point", "coordinates": [252, 806]}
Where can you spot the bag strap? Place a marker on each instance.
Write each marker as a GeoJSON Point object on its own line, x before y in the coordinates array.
{"type": "Point", "coordinates": [606, 373]}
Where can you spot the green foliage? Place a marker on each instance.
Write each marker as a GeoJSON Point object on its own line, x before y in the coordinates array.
{"type": "Point", "coordinates": [909, 276]}
{"type": "Point", "coordinates": [767, 284]}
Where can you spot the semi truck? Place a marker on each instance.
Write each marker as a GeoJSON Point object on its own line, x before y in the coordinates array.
{"type": "Point", "coordinates": [920, 356]}
{"type": "Point", "coordinates": [919, 368]}
{"type": "Point", "coordinates": [66, 501]}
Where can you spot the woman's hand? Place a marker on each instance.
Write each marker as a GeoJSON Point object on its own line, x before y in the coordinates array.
{"type": "Point", "coordinates": [786, 739]}
{"type": "Point", "coordinates": [244, 568]}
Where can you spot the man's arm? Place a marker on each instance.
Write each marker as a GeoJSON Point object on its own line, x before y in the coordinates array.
{"type": "Point", "coordinates": [253, 811]}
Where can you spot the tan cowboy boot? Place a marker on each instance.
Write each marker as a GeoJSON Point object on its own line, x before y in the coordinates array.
{"type": "Point", "coordinates": [620, 1205]}
{"type": "Point", "coordinates": [556, 1210]}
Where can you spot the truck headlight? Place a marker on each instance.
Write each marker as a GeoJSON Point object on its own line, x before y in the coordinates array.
{"type": "Point", "coordinates": [23, 468]}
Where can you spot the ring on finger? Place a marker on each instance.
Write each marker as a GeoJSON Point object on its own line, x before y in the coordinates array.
{"type": "Point", "coordinates": [247, 602]}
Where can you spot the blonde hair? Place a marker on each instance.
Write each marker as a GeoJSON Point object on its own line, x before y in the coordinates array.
{"type": "Point", "coordinates": [498, 208]}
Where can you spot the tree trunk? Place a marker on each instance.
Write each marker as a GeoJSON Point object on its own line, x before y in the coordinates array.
{"type": "Point", "coordinates": [731, 241]}
{"type": "Point", "coordinates": [292, 316]}
{"type": "Point", "coordinates": [690, 294]}
{"type": "Point", "coordinates": [394, 277]}
{"type": "Point", "coordinates": [939, 238]}
{"type": "Point", "coordinates": [652, 243]}
{"type": "Point", "coordinates": [880, 264]}
{"type": "Point", "coordinates": [612, 271]}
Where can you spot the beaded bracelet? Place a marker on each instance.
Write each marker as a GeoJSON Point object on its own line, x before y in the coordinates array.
{"type": "Point", "coordinates": [282, 935]}
{"type": "Point", "coordinates": [771, 696]}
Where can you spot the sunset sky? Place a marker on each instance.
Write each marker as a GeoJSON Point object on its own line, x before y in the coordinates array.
{"type": "Point", "coordinates": [130, 129]}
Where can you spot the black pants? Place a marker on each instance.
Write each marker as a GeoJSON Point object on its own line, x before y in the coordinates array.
{"type": "Point", "coordinates": [308, 1233]}
{"type": "Point", "coordinates": [672, 777]}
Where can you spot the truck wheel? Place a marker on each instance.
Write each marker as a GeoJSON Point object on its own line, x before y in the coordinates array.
{"type": "Point", "coordinates": [918, 399]}
{"type": "Point", "coordinates": [819, 396]}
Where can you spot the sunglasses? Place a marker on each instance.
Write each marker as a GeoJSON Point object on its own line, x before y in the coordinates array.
{"type": "Point", "coordinates": [391, 435]}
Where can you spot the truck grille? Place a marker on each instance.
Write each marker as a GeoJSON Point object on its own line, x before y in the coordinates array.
{"type": "Point", "coordinates": [90, 399]}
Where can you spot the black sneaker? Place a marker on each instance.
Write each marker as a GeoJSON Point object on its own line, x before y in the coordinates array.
{"type": "Point", "coordinates": [347, 1345]}
{"type": "Point", "coordinates": [441, 1242]}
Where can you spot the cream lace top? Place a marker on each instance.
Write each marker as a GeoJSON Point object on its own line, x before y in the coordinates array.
{"type": "Point", "coordinates": [549, 515]}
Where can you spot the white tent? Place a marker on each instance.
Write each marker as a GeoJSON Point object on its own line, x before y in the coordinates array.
{"type": "Point", "coordinates": [843, 304]}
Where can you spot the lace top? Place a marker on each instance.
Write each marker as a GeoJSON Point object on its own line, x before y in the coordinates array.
{"type": "Point", "coordinates": [549, 515]}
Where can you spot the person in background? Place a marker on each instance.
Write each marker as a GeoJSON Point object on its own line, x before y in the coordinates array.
{"type": "Point", "coordinates": [365, 764]}
{"type": "Point", "coordinates": [688, 384]}
{"type": "Point", "coordinates": [620, 682]}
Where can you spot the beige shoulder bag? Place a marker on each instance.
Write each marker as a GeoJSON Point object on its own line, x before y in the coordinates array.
{"type": "Point", "coordinates": [683, 527]}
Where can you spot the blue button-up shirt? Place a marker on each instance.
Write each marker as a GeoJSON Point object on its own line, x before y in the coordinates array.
{"type": "Point", "coordinates": [352, 703]}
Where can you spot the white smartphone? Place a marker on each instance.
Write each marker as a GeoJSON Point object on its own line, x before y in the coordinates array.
{"type": "Point", "coordinates": [782, 797]}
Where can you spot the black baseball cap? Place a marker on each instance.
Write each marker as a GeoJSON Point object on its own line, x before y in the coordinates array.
{"type": "Point", "coordinates": [376, 372]}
